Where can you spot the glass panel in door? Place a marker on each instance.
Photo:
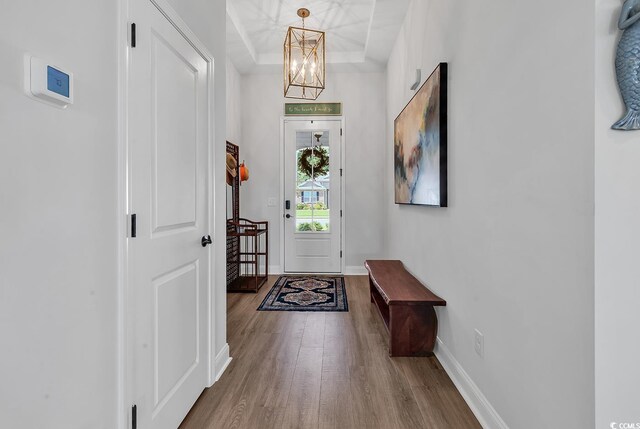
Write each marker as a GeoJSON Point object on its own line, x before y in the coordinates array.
{"type": "Point", "coordinates": [313, 182]}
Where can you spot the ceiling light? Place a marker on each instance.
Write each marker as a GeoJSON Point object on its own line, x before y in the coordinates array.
{"type": "Point", "coordinates": [301, 47]}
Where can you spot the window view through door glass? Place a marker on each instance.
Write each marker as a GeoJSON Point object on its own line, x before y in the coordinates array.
{"type": "Point", "coordinates": [312, 181]}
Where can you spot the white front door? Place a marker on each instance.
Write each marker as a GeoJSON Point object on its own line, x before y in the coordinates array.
{"type": "Point", "coordinates": [168, 267]}
{"type": "Point", "coordinates": [313, 196]}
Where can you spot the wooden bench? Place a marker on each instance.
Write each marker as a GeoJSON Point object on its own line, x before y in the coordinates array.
{"type": "Point", "coordinates": [406, 306]}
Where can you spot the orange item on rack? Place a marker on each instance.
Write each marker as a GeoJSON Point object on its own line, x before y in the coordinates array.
{"type": "Point", "coordinates": [244, 172]}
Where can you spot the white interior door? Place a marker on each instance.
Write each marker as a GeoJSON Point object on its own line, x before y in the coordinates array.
{"type": "Point", "coordinates": [169, 268]}
{"type": "Point", "coordinates": [313, 221]}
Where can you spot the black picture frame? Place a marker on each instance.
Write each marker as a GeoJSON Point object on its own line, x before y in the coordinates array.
{"type": "Point", "coordinates": [405, 192]}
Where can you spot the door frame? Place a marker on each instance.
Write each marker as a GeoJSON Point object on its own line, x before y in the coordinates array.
{"type": "Point", "coordinates": [343, 180]}
{"type": "Point", "coordinates": [124, 387]}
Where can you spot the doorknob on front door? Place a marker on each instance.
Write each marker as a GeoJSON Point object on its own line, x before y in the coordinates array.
{"type": "Point", "coordinates": [206, 240]}
{"type": "Point", "coordinates": [287, 215]}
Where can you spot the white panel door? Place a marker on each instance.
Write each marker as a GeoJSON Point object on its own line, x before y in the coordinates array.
{"type": "Point", "coordinates": [312, 224]}
{"type": "Point", "coordinates": [169, 269]}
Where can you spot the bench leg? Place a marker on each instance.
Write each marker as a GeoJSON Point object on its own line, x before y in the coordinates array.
{"type": "Point", "coordinates": [412, 330]}
{"type": "Point", "coordinates": [371, 287]}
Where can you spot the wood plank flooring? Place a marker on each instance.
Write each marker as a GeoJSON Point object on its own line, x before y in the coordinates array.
{"type": "Point", "coordinates": [323, 370]}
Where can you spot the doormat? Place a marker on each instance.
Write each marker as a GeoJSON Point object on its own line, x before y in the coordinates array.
{"type": "Point", "coordinates": [306, 293]}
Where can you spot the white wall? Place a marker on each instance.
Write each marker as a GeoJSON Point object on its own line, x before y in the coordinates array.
{"type": "Point", "coordinates": [58, 222]}
{"type": "Point", "coordinates": [58, 187]}
{"type": "Point", "coordinates": [363, 98]}
{"type": "Point", "coordinates": [234, 104]}
{"type": "Point", "coordinates": [617, 278]}
{"type": "Point", "coordinates": [207, 19]}
{"type": "Point", "coordinates": [513, 254]}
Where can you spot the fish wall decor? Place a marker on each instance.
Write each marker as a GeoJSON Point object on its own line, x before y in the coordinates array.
{"type": "Point", "coordinates": [628, 65]}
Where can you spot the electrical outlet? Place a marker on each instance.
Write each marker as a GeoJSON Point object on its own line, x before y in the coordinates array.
{"type": "Point", "coordinates": [478, 343]}
{"type": "Point", "coordinates": [271, 202]}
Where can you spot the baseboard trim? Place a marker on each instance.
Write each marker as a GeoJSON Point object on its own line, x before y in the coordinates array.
{"type": "Point", "coordinates": [352, 270]}
{"type": "Point", "coordinates": [355, 270]}
{"type": "Point", "coordinates": [275, 270]}
{"type": "Point", "coordinates": [222, 361]}
{"type": "Point", "coordinates": [479, 404]}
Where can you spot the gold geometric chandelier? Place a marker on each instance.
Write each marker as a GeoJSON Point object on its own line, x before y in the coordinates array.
{"type": "Point", "coordinates": [304, 64]}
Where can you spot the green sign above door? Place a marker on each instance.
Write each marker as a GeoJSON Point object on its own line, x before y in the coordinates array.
{"type": "Point", "coordinates": [313, 109]}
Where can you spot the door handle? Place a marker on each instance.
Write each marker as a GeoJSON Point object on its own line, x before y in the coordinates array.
{"type": "Point", "coordinates": [287, 216]}
{"type": "Point", "coordinates": [206, 239]}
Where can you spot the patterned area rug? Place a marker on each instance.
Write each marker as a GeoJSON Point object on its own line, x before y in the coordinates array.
{"type": "Point", "coordinates": [298, 293]}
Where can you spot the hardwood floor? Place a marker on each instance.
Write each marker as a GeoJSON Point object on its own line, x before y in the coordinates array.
{"type": "Point", "coordinates": [323, 370]}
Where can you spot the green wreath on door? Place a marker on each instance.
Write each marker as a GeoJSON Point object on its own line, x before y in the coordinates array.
{"type": "Point", "coordinates": [314, 162]}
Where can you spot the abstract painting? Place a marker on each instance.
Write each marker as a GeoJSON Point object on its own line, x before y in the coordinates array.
{"type": "Point", "coordinates": [420, 145]}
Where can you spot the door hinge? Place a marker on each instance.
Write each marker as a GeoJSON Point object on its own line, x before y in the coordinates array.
{"type": "Point", "coordinates": [340, 212]}
{"type": "Point", "coordinates": [340, 131]}
{"type": "Point", "coordinates": [341, 172]}
{"type": "Point", "coordinates": [341, 253]}
{"type": "Point", "coordinates": [134, 226]}
{"type": "Point", "coordinates": [133, 34]}
{"type": "Point", "coordinates": [134, 417]}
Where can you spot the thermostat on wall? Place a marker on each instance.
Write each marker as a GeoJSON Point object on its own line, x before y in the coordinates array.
{"type": "Point", "coordinates": [50, 83]}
